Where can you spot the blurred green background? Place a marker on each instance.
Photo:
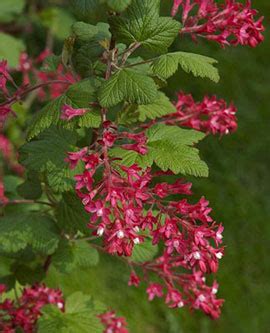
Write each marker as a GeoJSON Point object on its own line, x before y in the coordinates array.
{"type": "Point", "coordinates": [238, 189]}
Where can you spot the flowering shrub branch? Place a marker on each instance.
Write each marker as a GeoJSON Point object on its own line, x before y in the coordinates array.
{"type": "Point", "coordinates": [104, 165]}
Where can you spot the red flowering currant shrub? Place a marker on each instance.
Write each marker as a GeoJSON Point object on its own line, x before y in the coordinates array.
{"type": "Point", "coordinates": [104, 162]}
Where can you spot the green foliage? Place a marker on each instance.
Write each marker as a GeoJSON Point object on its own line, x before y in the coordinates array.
{"type": "Point", "coordinates": [170, 147]}
{"type": "Point", "coordinates": [19, 230]}
{"type": "Point", "coordinates": [72, 255]}
{"type": "Point", "coordinates": [84, 32]}
{"type": "Point", "coordinates": [61, 179]}
{"type": "Point", "coordinates": [140, 113]}
{"type": "Point", "coordinates": [31, 188]}
{"type": "Point", "coordinates": [78, 95]}
{"type": "Point", "coordinates": [144, 252]}
{"type": "Point", "coordinates": [87, 52]}
{"type": "Point", "coordinates": [51, 146]}
{"type": "Point", "coordinates": [86, 10]}
{"type": "Point", "coordinates": [118, 5]}
{"type": "Point", "coordinates": [142, 24]}
{"type": "Point", "coordinates": [57, 20]}
{"type": "Point", "coordinates": [9, 9]}
{"type": "Point", "coordinates": [80, 315]}
{"type": "Point", "coordinates": [71, 215]}
{"type": "Point", "coordinates": [51, 63]}
{"type": "Point", "coordinates": [127, 85]}
{"type": "Point", "coordinates": [160, 107]}
{"type": "Point", "coordinates": [166, 65]}
{"type": "Point", "coordinates": [49, 115]}
{"type": "Point", "coordinates": [10, 49]}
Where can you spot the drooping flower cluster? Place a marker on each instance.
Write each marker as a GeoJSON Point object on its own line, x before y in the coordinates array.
{"type": "Point", "coordinates": [128, 206]}
{"type": "Point", "coordinates": [212, 115]}
{"type": "Point", "coordinates": [48, 84]}
{"type": "Point", "coordinates": [25, 311]}
{"type": "Point", "coordinates": [5, 109]}
{"type": "Point", "coordinates": [7, 152]}
{"type": "Point", "coordinates": [112, 323]}
{"type": "Point", "coordinates": [32, 73]}
{"type": "Point", "coordinates": [229, 22]}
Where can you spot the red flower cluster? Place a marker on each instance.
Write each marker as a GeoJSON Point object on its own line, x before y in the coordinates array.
{"type": "Point", "coordinates": [112, 323]}
{"type": "Point", "coordinates": [212, 115]}
{"type": "Point", "coordinates": [30, 69]}
{"type": "Point", "coordinates": [7, 152]}
{"type": "Point", "coordinates": [24, 312]}
{"type": "Point", "coordinates": [48, 84]}
{"type": "Point", "coordinates": [128, 205]}
{"type": "Point", "coordinates": [5, 109]}
{"type": "Point", "coordinates": [227, 23]}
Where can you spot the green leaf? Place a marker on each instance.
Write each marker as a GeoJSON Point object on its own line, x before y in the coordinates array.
{"type": "Point", "coordinates": [170, 148]}
{"type": "Point", "coordinates": [61, 179]}
{"type": "Point", "coordinates": [82, 93]}
{"type": "Point", "coordinates": [130, 157]}
{"type": "Point", "coordinates": [19, 230]}
{"type": "Point", "coordinates": [80, 316]}
{"type": "Point", "coordinates": [144, 252]}
{"type": "Point", "coordinates": [58, 20]}
{"type": "Point", "coordinates": [10, 49]}
{"type": "Point", "coordinates": [47, 116]}
{"type": "Point", "coordinates": [51, 146]}
{"type": "Point", "coordinates": [176, 134]}
{"type": "Point", "coordinates": [72, 255]}
{"type": "Point", "coordinates": [9, 9]}
{"type": "Point", "coordinates": [199, 65]}
{"type": "Point", "coordinates": [87, 10]}
{"type": "Point", "coordinates": [135, 113]}
{"type": "Point", "coordinates": [79, 95]}
{"type": "Point", "coordinates": [10, 183]}
{"type": "Point", "coordinates": [84, 31]}
{"type": "Point", "coordinates": [87, 53]}
{"type": "Point", "coordinates": [71, 215]}
{"type": "Point", "coordinates": [160, 107]}
{"type": "Point", "coordinates": [141, 23]}
{"type": "Point", "coordinates": [118, 5]}
{"type": "Point", "coordinates": [31, 188]}
{"type": "Point", "coordinates": [51, 63]}
{"type": "Point", "coordinates": [26, 274]}
{"type": "Point", "coordinates": [127, 85]}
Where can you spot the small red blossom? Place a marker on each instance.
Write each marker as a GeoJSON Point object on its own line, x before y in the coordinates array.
{"type": "Point", "coordinates": [228, 23]}
{"type": "Point", "coordinates": [74, 157]}
{"type": "Point", "coordinates": [212, 115]}
{"type": "Point", "coordinates": [112, 323]}
{"type": "Point", "coordinates": [134, 280]}
{"type": "Point", "coordinates": [68, 112]}
{"type": "Point", "coordinates": [154, 290]}
{"type": "Point", "coordinates": [25, 312]}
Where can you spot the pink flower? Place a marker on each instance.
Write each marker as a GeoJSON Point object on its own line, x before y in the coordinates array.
{"type": "Point", "coordinates": [69, 113]}
{"type": "Point", "coordinates": [154, 290]}
{"type": "Point", "coordinates": [74, 158]}
{"type": "Point", "coordinates": [112, 323]}
{"type": "Point", "coordinates": [134, 280]}
{"type": "Point", "coordinates": [25, 312]}
{"type": "Point", "coordinates": [4, 113]}
{"type": "Point", "coordinates": [212, 115]}
{"type": "Point", "coordinates": [164, 189]}
{"type": "Point", "coordinates": [228, 23]}
{"type": "Point", "coordinates": [174, 299]}
{"type": "Point", "coordinates": [4, 75]}
{"type": "Point", "coordinates": [140, 142]}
